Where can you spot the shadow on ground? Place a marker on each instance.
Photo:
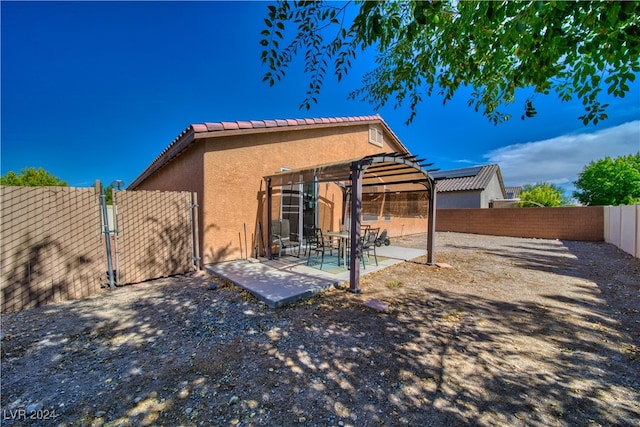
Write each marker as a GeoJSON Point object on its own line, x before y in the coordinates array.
{"type": "Point", "coordinates": [551, 346]}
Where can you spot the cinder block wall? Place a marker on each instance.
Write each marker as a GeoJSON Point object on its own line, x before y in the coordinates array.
{"type": "Point", "coordinates": [567, 223]}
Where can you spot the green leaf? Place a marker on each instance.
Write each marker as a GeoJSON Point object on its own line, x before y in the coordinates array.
{"type": "Point", "coordinates": [555, 44]}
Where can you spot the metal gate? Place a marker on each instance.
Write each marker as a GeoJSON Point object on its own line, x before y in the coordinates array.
{"type": "Point", "coordinates": [155, 235]}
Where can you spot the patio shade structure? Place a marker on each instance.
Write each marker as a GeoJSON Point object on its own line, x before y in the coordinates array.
{"type": "Point", "coordinates": [397, 171]}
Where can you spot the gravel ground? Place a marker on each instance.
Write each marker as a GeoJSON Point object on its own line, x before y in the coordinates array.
{"type": "Point", "coordinates": [517, 332]}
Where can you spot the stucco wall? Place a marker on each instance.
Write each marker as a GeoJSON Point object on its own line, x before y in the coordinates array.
{"type": "Point", "coordinates": [184, 173]}
{"type": "Point", "coordinates": [227, 170]}
{"type": "Point", "coordinates": [399, 226]}
{"type": "Point", "coordinates": [234, 167]}
{"type": "Point", "coordinates": [492, 191]}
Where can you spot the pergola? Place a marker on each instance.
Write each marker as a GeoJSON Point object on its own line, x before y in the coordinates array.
{"type": "Point", "coordinates": [401, 172]}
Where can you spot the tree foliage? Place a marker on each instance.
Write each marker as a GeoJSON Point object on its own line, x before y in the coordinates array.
{"type": "Point", "coordinates": [575, 49]}
{"type": "Point", "coordinates": [610, 181]}
{"type": "Point", "coordinates": [542, 194]}
{"type": "Point", "coordinates": [31, 177]}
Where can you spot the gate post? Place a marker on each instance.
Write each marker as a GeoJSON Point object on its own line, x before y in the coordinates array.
{"type": "Point", "coordinates": [107, 235]}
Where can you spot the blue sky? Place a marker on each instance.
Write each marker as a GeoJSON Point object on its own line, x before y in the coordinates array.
{"type": "Point", "coordinates": [96, 90]}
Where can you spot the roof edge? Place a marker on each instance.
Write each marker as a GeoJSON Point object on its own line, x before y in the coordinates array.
{"type": "Point", "coordinates": [219, 129]}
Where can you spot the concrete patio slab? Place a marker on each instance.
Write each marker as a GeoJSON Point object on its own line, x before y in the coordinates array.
{"type": "Point", "coordinates": [282, 281]}
{"type": "Point", "coordinates": [273, 286]}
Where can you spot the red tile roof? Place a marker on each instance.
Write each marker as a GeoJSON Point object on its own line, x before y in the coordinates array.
{"type": "Point", "coordinates": [259, 124]}
{"type": "Point", "coordinates": [213, 129]}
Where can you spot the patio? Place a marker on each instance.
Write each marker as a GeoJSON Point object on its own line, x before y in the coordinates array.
{"type": "Point", "coordinates": [284, 280]}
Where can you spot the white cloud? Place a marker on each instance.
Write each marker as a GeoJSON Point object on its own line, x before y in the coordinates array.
{"type": "Point", "coordinates": [559, 160]}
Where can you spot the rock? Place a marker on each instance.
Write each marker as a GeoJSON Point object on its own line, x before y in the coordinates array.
{"type": "Point", "coordinates": [377, 305]}
{"type": "Point", "coordinates": [100, 414]}
{"type": "Point", "coordinates": [213, 285]}
{"type": "Point", "coordinates": [233, 400]}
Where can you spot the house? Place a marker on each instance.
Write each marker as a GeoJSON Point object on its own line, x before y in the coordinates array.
{"type": "Point", "coordinates": [474, 187]}
{"type": "Point", "coordinates": [513, 192]}
{"type": "Point", "coordinates": [226, 164]}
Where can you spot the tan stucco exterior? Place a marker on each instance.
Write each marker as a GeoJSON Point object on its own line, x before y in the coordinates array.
{"type": "Point", "coordinates": [227, 170]}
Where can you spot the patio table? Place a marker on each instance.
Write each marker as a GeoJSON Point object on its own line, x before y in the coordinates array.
{"type": "Point", "coordinates": [343, 240]}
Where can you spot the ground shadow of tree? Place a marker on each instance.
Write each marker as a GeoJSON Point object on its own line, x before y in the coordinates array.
{"type": "Point", "coordinates": [172, 352]}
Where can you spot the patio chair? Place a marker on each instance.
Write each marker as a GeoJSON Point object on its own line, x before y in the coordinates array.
{"type": "Point", "coordinates": [369, 244]}
{"type": "Point", "coordinates": [282, 236]}
{"type": "Point", "coordinates": [318, 245]}
{"type": "Point", "coordinates": [310, 237]}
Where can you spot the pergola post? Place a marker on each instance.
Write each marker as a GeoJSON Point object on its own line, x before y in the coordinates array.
{"type": "Point", "coordinates": [356, 208]}
{"type": "Point", "coordinates": [269, 203]}
{"type": "Point", "coordinates": [431, 232]}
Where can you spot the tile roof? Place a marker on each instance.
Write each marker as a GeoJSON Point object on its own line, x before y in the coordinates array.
{"type": "Point", "coordinates": [261, 124]}
{"type": "Point", "coordinates": [216, 129]}
{"type": "Point", "coordinates": [514, 191]}
{"type": "Point", "coordinates": [467, 179]}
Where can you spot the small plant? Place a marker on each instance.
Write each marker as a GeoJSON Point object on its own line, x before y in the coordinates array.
{"type": "Point", "coordinates": [453, 316]}
{"type": "Point", "coordinates": [394, 284]}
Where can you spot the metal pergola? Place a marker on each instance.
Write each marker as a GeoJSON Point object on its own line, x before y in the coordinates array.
{"type": "Point", "coordinates": [402, 172]}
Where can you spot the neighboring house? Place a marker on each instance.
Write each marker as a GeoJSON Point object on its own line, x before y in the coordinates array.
{"type": "Point", "coordinates": [226, 163]}
{"type": "Point", "coordinates": [513, 192]}
{"type": "Point", "coordinates": [474, 187]}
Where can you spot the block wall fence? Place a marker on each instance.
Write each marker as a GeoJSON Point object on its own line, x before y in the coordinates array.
{"type": "Point", "coordinates": [566, 223]}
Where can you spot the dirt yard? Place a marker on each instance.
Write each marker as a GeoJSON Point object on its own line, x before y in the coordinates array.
{"type": "Point", "coordinates": [517, 332]}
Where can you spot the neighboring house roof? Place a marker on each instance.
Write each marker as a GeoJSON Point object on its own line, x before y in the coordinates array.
{"type": "Point", "coordinates": [513, 192]}
{"type": "Point", "coordinates": [467, 179]}
{"type": "Point", "coordinates": [219, 129]}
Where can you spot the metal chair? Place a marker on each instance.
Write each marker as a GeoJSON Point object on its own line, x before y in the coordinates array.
{"type": "Point", "coordinates": [310, 236]}
{"type": "Point", "coordinates": [369, 244]}
{"type": "Point", "coordinates": [281, 233]}
{"type": "Point", "coordinates": [318, 245]}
